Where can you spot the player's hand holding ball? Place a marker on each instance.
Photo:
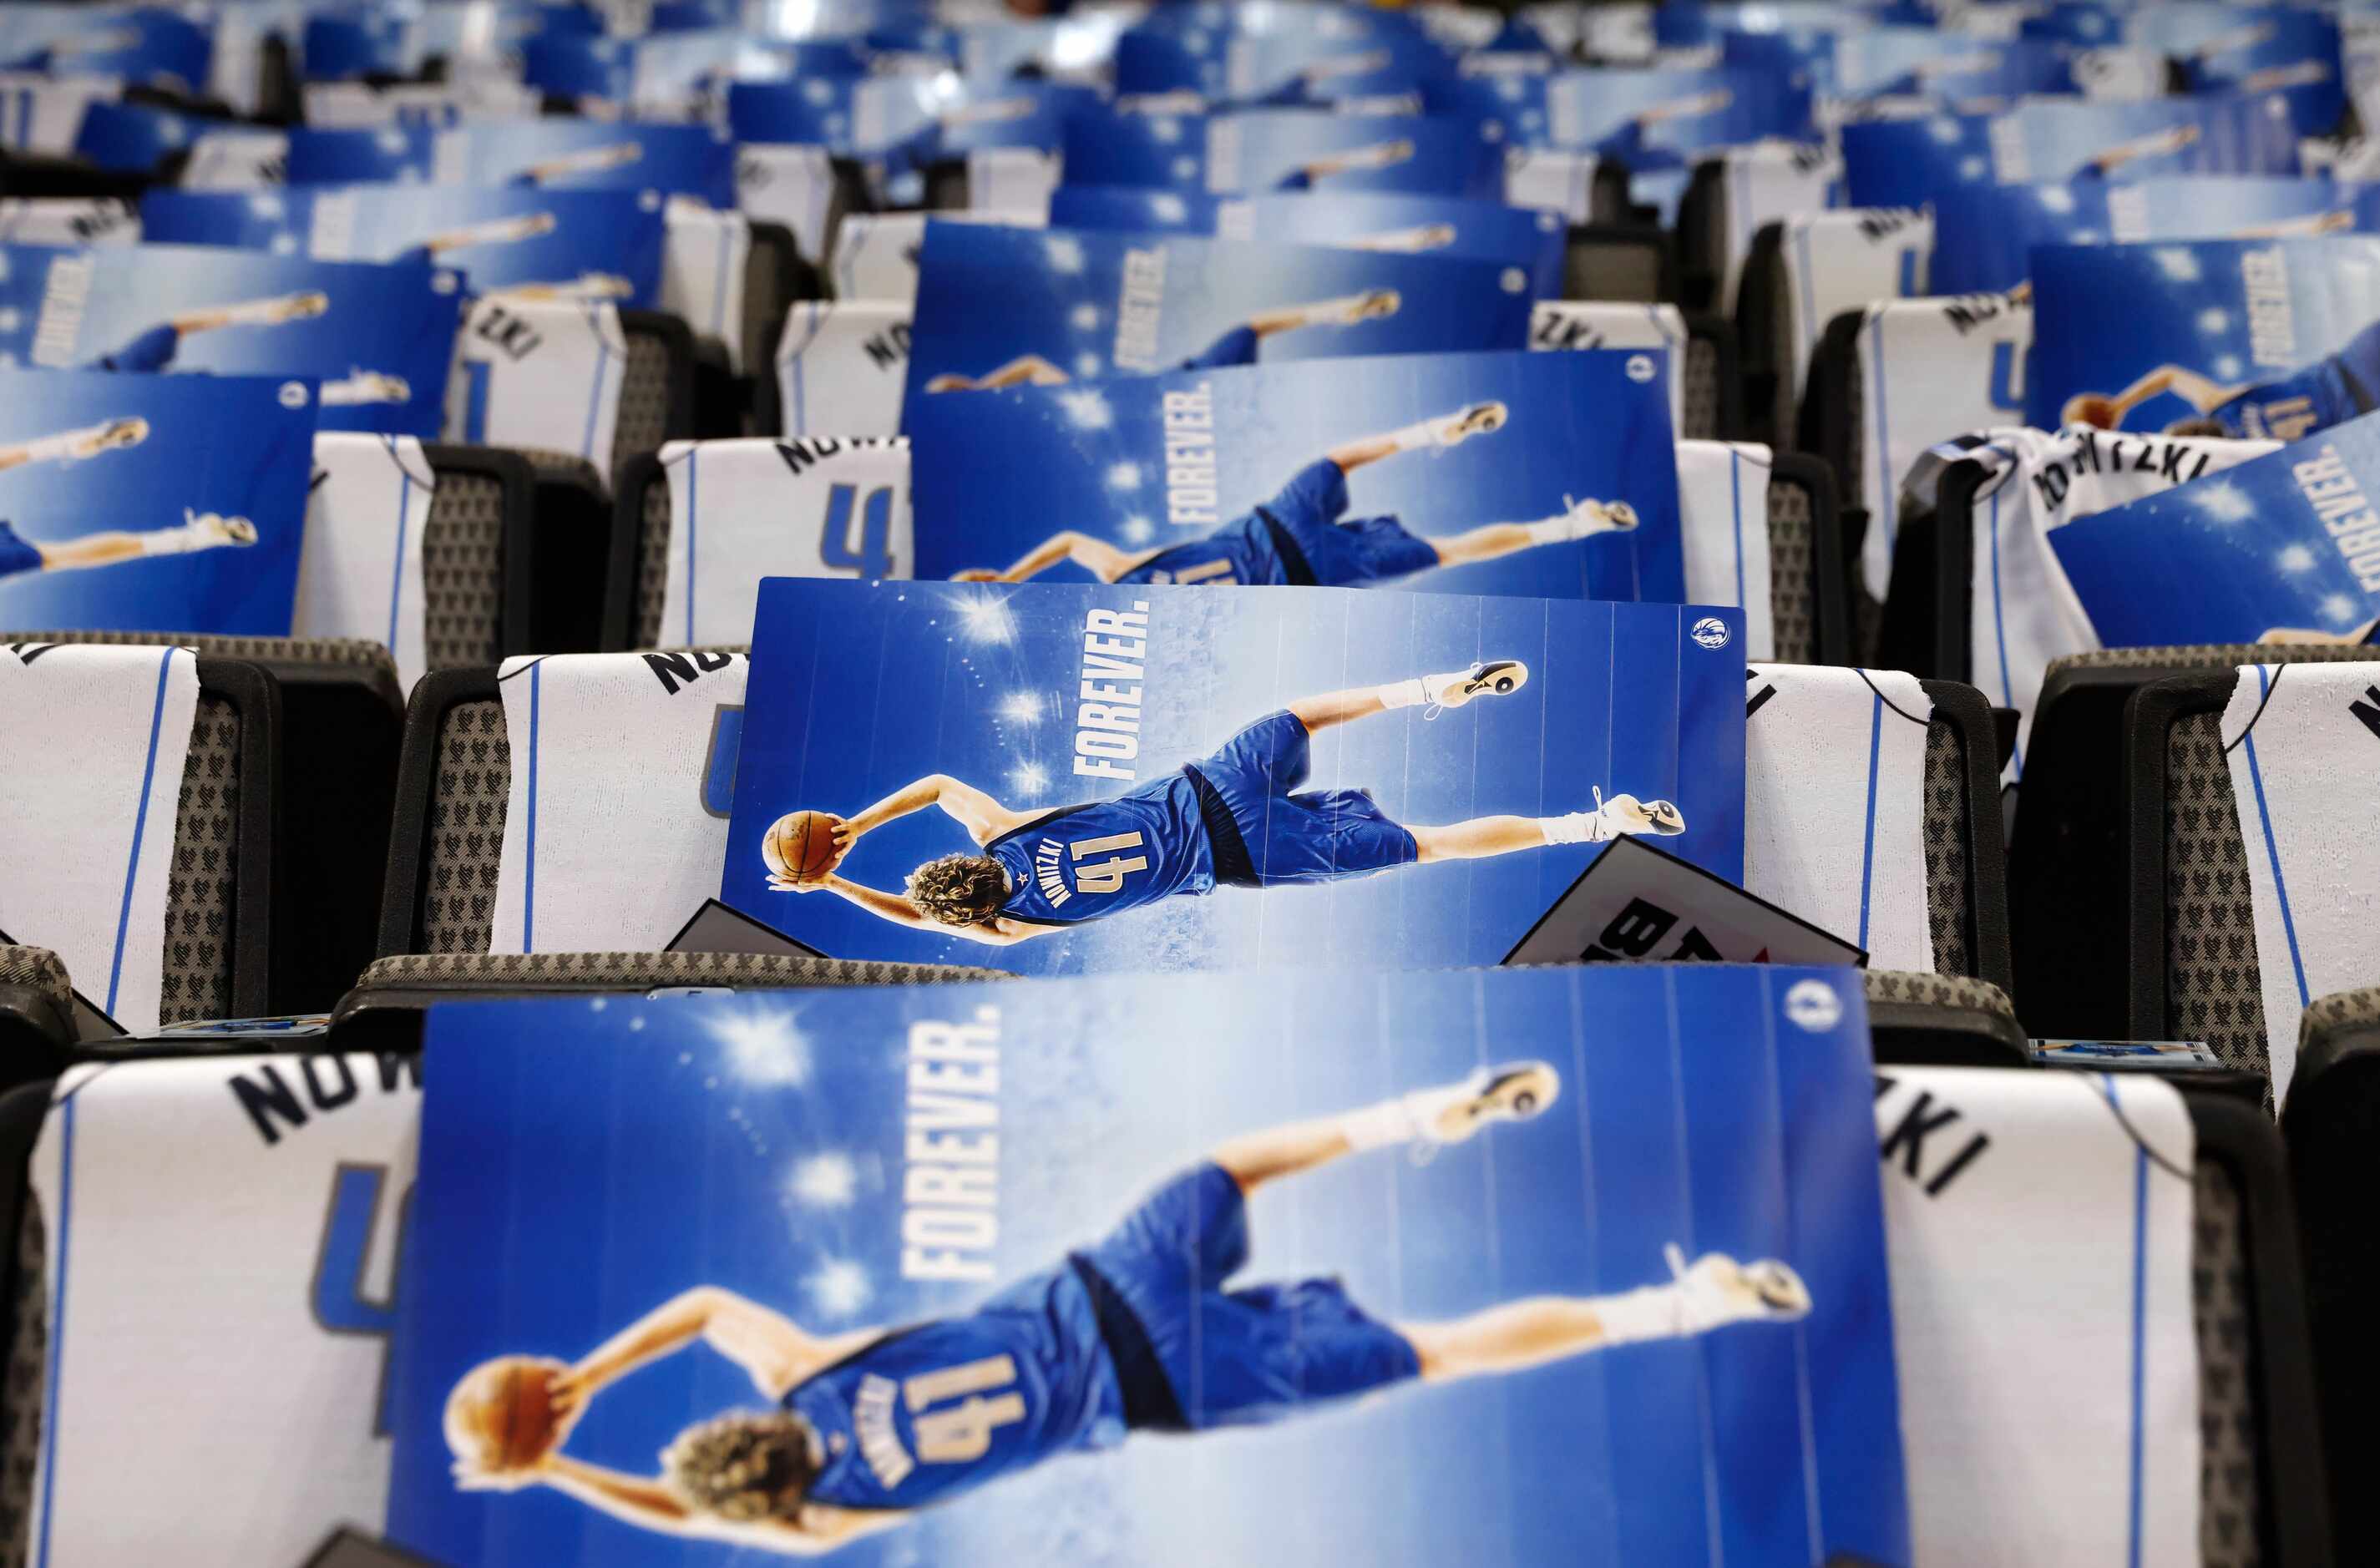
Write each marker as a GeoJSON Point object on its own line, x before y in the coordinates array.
{"type": "Point", "coordinates": [802, 849]}
{"type": "Point", "coordinates": [505, 1420]}
{"type": "Point", "coordinates": [976, 574]}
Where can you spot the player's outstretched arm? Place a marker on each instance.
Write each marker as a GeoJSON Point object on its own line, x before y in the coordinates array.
{"type": "Point", "coordinates": [1097, 556]}
{"type": "Point", "coordinates": [893, 906]}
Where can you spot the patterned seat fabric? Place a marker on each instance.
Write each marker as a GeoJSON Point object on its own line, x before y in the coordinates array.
{"type": "Point", "coordinates": [1912, 987]}
{"type": "Point", "coordinates": [652, 562]}
{"type": "Point", "coordinates": [599, 971]}
{"type": "Point", "coordinates": [466, 828]}
{"type": "Point", "coordinates": [1792, 587]}
{"type": "Point", "coordinates": [38, 971]}
{"type": "Point", "coordinates": [2214, 988]}
{"type": "Point", "coordinates": [360, 652]}
{"type": "Point", "coordinates": [643, 423]}
{"type": "Point", "coordinates": [1699, 419]}
{"type": "Point", "coordinates": [1948, 871]}
{"type": "Point", "coordinates": [200, 889]}
{"type": "Point", "coordinates": [2213, 656]}
{"type": "Point", "coordinates": [463, 571]}
{"type": "Point", "coordinates": [2230, 1522]}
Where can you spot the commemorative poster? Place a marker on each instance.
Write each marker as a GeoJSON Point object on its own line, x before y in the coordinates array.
{"type": "Point", "coordinates": [1357, 220]}
{"type": "Point", "coordinates": [1066, 778]}
{"type": "Point", "coordinates": [133, 502]}
{"type": "Point", "coordinates": [1984, 235]}
{"type": "Point", "coordinates": [379, 339]}
{"type": "Point", "coordinates": [1907, 163]}
{"type": "Point", "coordinates": [1660, 113]}
{"type": "Point", "coordinates": [1522, 473]}
{"type": "Point", "coordinates": [2283, 548]}
{"type": "Point", "coordinates": [1548, 1265]}
{"type": "Point", "coordinates": [581, 244]}
{"type": "Point", "coordinates": [1002, 307]}
{"type": "Point", "coordinates": [2270, 339]}
{"type": "Point", "coordinates": [677, 160]}
{"type": "Point", "coordinates": [1285, 150]}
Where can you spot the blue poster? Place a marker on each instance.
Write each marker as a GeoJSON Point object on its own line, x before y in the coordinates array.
{"type": "Point", "coordinates": [152, 503]}
{"type": "Point", "coordinates": [689, 160]}
{"type": "Point", "coordinates": [1363, 220]}
{"type": "Point", "coordinates": [1580, 1265]}
{"type": "Point", "coordinates": [813, 111]}
{"type": "Point", "coordinates": [379, 339]}
{"type": "Point", "coordinates": [2266, 338]}
{"type": "Point", "coordinates": [606, 244]}
{"type": "Point", "coordinates": [1984, 235]}
{"type": "Point", "coordinates": [135, 138]}
{"type": "Point", "coordinates": [1537, 474]}
{"type": "Point", "coordinates": [1058, 779]}
{"type": "Point", "coordinates": [2277, 54]}
{"type": "Point", "coordinates": [1008, 307]}
{"type": "Point", "coordinates": [1896, 61]}
{"type": "Point", "coordinates": [2286, 546]}
{"type": "Point", "coordinates": [1670, 110]}
{"type": "Point", "coordinates": [1286, 150]}
{"type": "Point", "coordinates": [1909, 163]}
{"type": "Point", "coordinates": [147, 44]}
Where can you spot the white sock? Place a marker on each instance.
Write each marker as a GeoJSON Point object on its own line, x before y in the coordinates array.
{"type": "Point", "coordinates": [1648, 1312]}
{"type": "Point", "coordinates": [178, 540]}
{"type": "Point", "coordinates": [1561, 527]}
{"type": "Point", "coordinates": [1326, 311]}
{"type": "Point", "coordinates": [1420, 436]}
{"type": "Point", "coordinates": [51, 448]}
{"type": "Point", "coordinates": [1403, 694]}
{"type": "Point", "coordinates": [1575, 827]}
{"type": "Point", "coordinates": [1379, 1127]}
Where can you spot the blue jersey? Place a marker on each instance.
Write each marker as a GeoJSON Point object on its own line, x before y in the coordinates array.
{"type": "Point", "coordinates": [1299, 537]}
{"type": "Point", "coordinates": [2329, 392]}
{"type": "Point", "coordinates": [1089, 862]}
{"type": "Point", "coordinates": [15, 555]}
{"type": "Point", "coordinates": [928, 1413]}
{"type": "Point", "coordinates": [1246, 551]}
{"type": "Point", "coordinates": [153, 350]}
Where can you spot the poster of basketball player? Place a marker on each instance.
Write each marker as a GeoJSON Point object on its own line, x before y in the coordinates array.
{"type": "Point", "coordinates": [1547, 475]}
{"type": "Point", "coordinates": [138, 502]}
{"type": "Point", "coordinates": [1525, 1266]}
{"type": "Point", "coordinates": [1056, 779]}
{"type": "Point", "coordinates": [687, 160]}
{"type": "Point", "coordinates": [378, 338]}
{"type": "Point", "coordinates": [2269, 339]}
{"type": "Point", "coordinates": [1008, 307]}
{"type": "Point", "coordinates": [504, 238]}
{"type": "Point", "coordinates": [1285, 149]}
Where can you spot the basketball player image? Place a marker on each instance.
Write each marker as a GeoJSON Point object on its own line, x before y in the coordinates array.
{"type": "Point", "coordinates": [2156, 144]}
{"type": "Point", "coordinates": [586, 160]}
{"type": "Point", "coordinates": [155, 348]}
{"type": "Point", "coordinates": [1630, 135]}
{"type": "Point", "coordinates": [495, 231]}
{"type": "Point", "coordinates": [76, 446]}
{"type": "Point", "coordinates": [2331, 391]}
{"type": "Point", "coordinates": [1427, 237]}
{"type": "Point", "coordinates": [365, 387]}
{"type": "Point", "coordinates": [1140, 1331]}
{"type": "Point", "coordinates": [1303, 535]}
{"type": "Point", "coordinates": [585, 287]}
{"type": "Point", "coordinates": [1235, 817]}
{"type": "Point", "coordinates": [198, 531]}
{"type": "Point", "coordinates": [1237, 347]}
{"type": "Point", "coordinates": [1379, 155]}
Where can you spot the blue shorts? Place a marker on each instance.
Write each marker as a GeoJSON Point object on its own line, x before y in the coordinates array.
{"type": "Point", "coordinates": [1296, 179]}
{"type": "Point", "coordinates": [1240, 1357]}
{"type": "Point", "coordinates": [1317, 836]}
{"type": "Point", "coordinates": [153, 350]}
{"type": "Point", "coordinates": [1338, 553]}
{"type": "Point", "coordinates": [1237, 347]}
{"type": "Point", "coordinates": [15, 555]}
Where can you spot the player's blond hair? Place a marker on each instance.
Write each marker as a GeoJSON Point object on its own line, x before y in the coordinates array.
{"type": "Point", "coordinates": [744, 1465]}
{"type": "Point", "coordinates": [959, 890]}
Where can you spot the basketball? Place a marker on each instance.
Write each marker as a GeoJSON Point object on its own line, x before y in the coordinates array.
{"type": "Point", "coordinates": [799, 846]}
{"type": "Point", "coordinates": [2091, 408]}
{"type": "Point", "coordinates": [501, 1415]}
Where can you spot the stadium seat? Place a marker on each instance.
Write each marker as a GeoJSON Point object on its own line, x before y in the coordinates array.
{"type": "Point", "coordinates": [1619, 260]}
{"type": "Point", "coordinates": [657, 393]}
{"type": "Point", "coordinates": [1713, 379]}
{"type": "Point", "coordinates": [1867, 834]}
{"type": "Point", "coordinates": [1924, 1020]}
{"type": "Point", "coordinates": [1975, 1159]}
{"type": "Point", "coordinates": [1806, 610]}
{"type": "Point", "coordinates": [1798, 275]}
{"type": "Point", "coordinates": [2332, 1127]}
{"type": "Point", "coordinates": [28, 173]}
{"type": "Point", "coordinates": [385, 1010]}
{"type": "Point", "coordinates": [36, 1014]}
{"type": "Point", "coordinates": [1778, 582]}
{"type": "Point", "coordinates": [455, 785]}
{"type": "Point", "coordinates": [840, 370]}
{"type": "Point", "coordinates": [341, 723]}
{"type": "Point", "coordinates": [2195, 971]}
{"type": "Point", "coordinates": [1733, 194]}
{"type": "Point", "coordinates": [2069, 848]}
{"type": "Point", "coordinates": [217, 945]}
{"type": "Point", "coordinates": [775, 277]}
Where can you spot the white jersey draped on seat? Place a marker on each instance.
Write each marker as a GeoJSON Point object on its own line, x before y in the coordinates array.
{"type": "Point", "coordinates": [359, 571]}
{"type": "Point", "coordinates": [1723, 521]}
{"type": "Point", "coordinates": [538, 373]}
{"type": "Point", "coordinates": [841, 367]}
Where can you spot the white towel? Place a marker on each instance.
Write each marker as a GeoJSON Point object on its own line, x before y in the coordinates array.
{"type": "Point", "coordinates": [1847, 261]}
{"type": "Point", "coordinates": [1723, 517]}
{"type": "Point", "coordinates": [179, 1221]}
{"type": "Point", "coordinates": [1765, 183]}
{"type": "Point", "coordinates": [2039, 1230]}
{"type": "Point", "coordinates": [2301, 740]}
{"type": "Point", "coordinates": [806, 508]}
{"type": "Point", "coordinates": [69, 221]}
{"type": "Point", "coordinates": [622, 778]}
{"type": "Point", "coordinates": [237, 160]}
{"type": "Point", "coordinates": [538, 373]}
{"type": "Point", "coordinates": [1930, 371]}
{"type": "Point", "coordinates": [95, 739]}
{"type": "Point", "coordinates": [1834, 804]}
{"type": "Point", "coordinates": [842, 366]}
{"type": "Point", "coordinates": [1550, 178]}
{"type": "Point", "coordinates": [702, 272]}
{"type": "Point", "coordinates": [43, 115]}
{"type": "Point", "coordinates": [359, 571]}
{"type": "Point", "coordinates": [779, 183]}
{"type": "Point", "coordinates": [875, 254]}
{"type": "Point", "coordinates": [1605, 324]}
{"type": "Point", "coordinates": [2024, 613]}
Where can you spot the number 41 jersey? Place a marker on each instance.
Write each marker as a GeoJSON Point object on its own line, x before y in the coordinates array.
{"type": "Point", "coordinates": [1107, 857]}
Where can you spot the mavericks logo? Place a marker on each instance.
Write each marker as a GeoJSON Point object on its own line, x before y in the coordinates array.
{"type": "Point", "coordinates": [1710, 631]}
